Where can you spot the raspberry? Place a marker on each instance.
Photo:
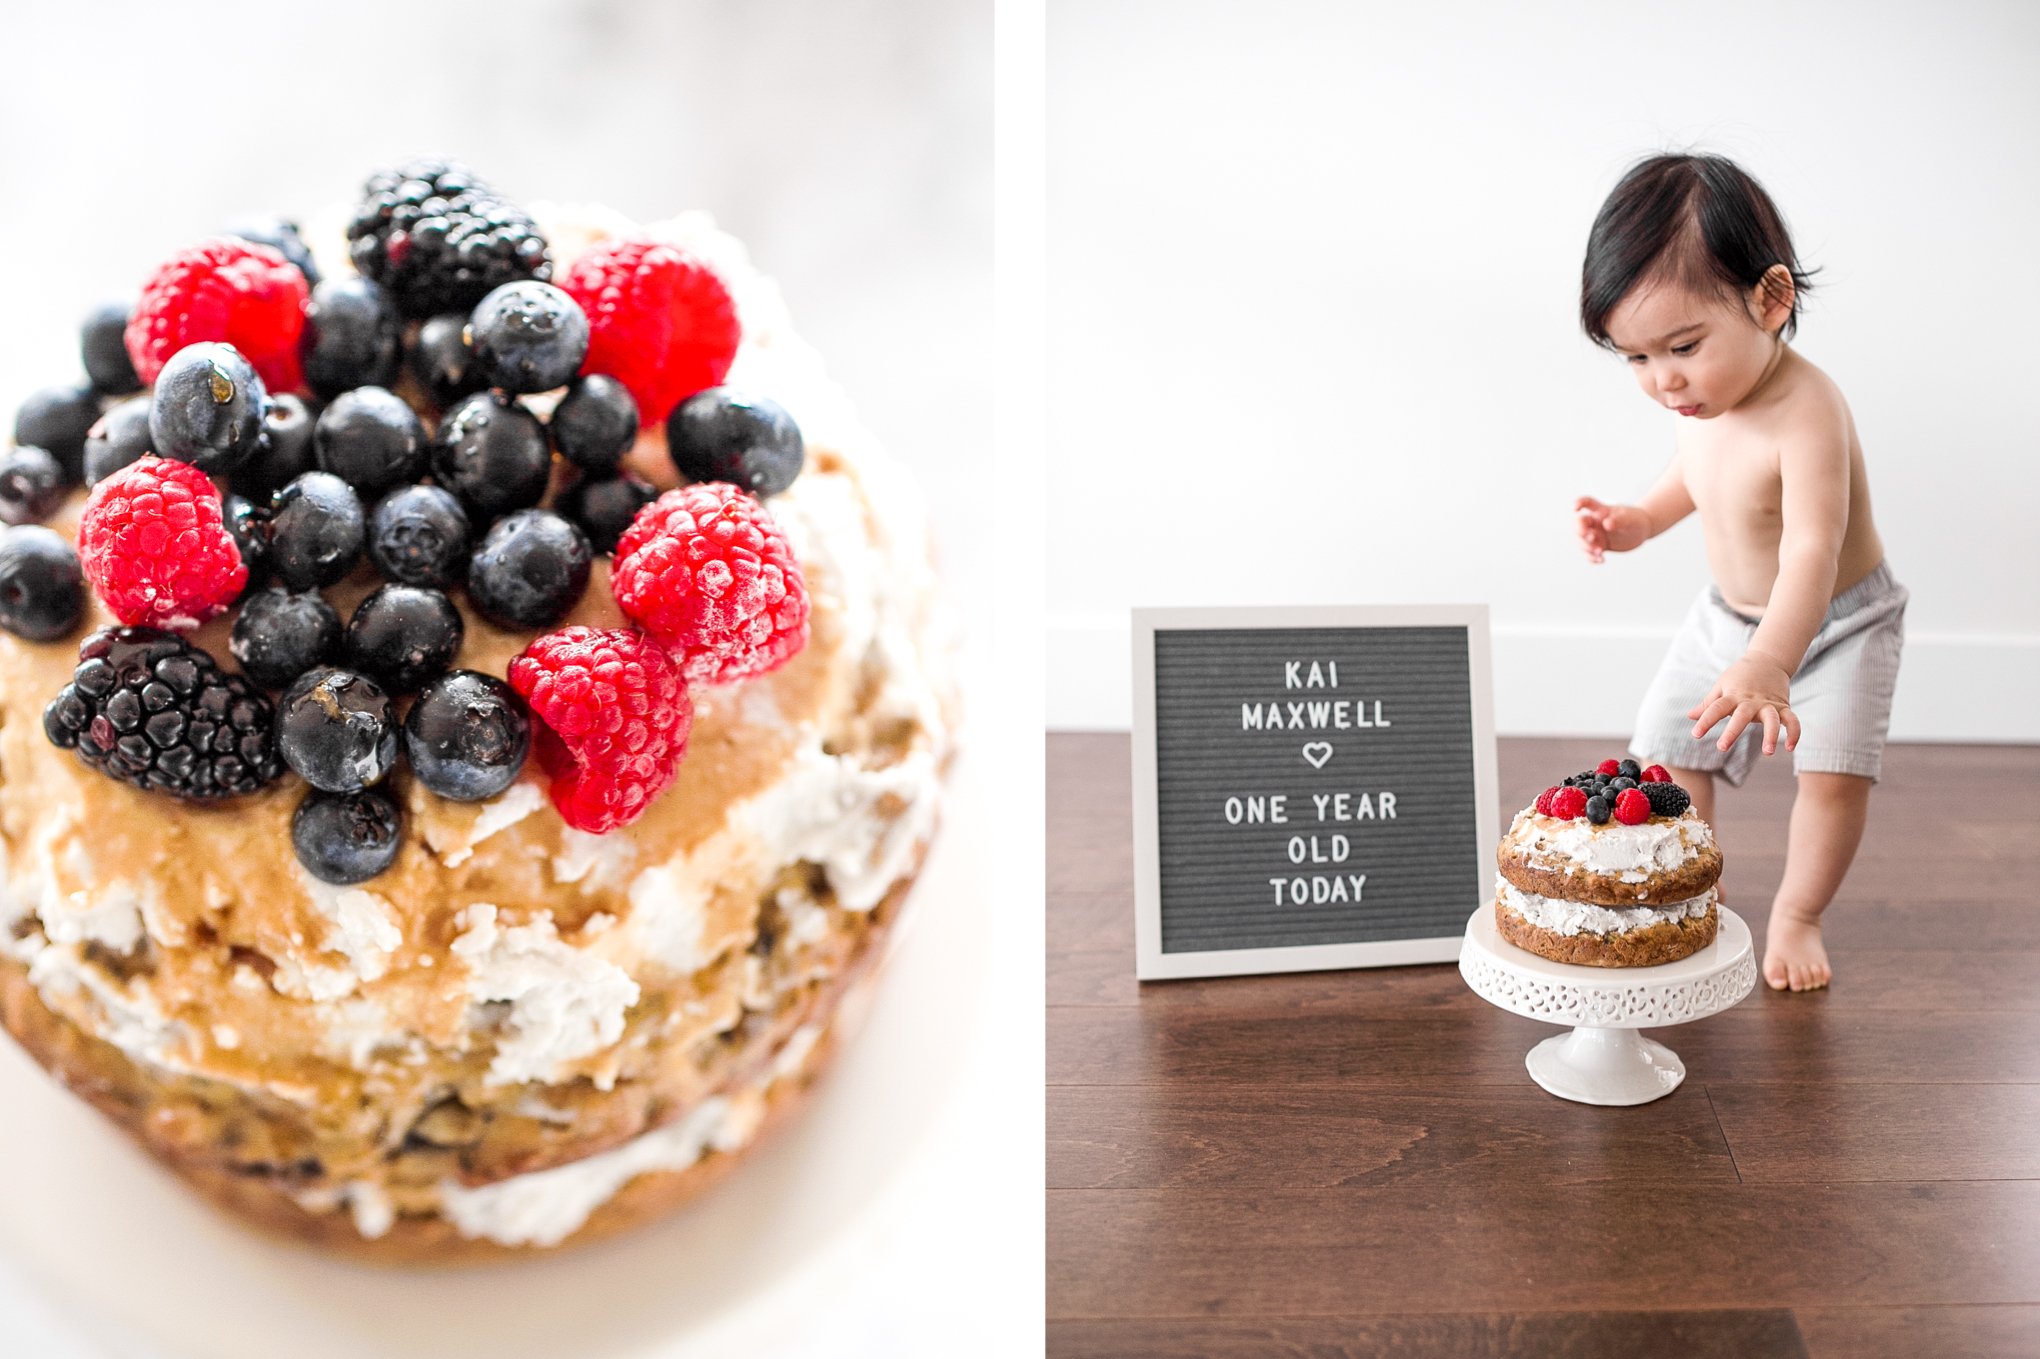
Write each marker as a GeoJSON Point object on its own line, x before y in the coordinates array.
{"type": "Point", "coordinates": [1632, 807]}
{"type": "Point", "coordinates": [612, 721]}
{"type": "Point", "coordinates": [1609, 767]}
{"type": "Point", "coordinates": [707, 572]}
{"type": "Point", "coordinates": [1657, 773]}
{"type": "Point", "coordinates": [154, 543]}
{"type": "Point", "coordinates": [228, 290]}
{"type": "Point", "coordinates": [661, 322]}
{"type": "Point", "coordinates": [1568, 803]}
{"type": "Point", "coordinates": [1544, 801]}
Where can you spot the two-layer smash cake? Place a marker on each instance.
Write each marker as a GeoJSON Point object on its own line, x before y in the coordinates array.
{"type": "Point", "coordinates": [1611, 868]}
{"type": "Point", "coordinates": [472, 702]}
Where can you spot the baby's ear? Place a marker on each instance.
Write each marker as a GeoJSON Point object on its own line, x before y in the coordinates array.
{"type": "Point", "coordinates": [1771, 300]}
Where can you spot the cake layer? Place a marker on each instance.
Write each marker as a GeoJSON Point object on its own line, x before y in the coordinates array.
{"type": "Point", "coordinates": [1656, 862]}
{"type": "Point", "coordinates": [1581, 917]}
{"type": "Point", "coordinates": [1665, 940]}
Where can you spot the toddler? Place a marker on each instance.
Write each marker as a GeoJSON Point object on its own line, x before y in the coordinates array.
{"type": "Point", "coordinates": [1691, 277]}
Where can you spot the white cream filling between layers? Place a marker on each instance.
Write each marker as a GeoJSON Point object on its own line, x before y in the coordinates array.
{"type": "Point", "coordinates": [1584, 917]}
{"type": "Point", "coordinates": [1625, 853]}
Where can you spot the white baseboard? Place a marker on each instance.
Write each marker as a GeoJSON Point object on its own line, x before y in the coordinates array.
{"type": "Point", "coordinates": [1954, 687]}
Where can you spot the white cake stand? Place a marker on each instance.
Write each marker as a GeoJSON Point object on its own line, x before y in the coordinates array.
{"type": "Point", "coordinates": [1604, 1060]}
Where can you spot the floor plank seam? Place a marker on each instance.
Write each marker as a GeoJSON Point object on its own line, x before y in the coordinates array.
{"type": "Point", "coordinates": [1708, 1091]}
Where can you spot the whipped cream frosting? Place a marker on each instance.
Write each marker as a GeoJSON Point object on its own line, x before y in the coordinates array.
{"type": "Point", "coordinates": [1583, 917]}
{"type": "Point", "coordinates": [1625, 853]}
{"type": "Point", "coordinates": [564, 1003]}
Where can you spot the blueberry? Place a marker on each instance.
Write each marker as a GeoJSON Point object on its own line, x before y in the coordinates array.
{"type": "Point", "coordinates": [1599, 809]}
{"type": "Point", "coordinates": [42, 589]}
{"type": "Point", "coordinates": [336, 729]}
{"type": "Point", "coordinates": [248, 523]}
{"type": "Point", "coordinates": [441, 362]}
{"type": "Point", "coordinates": [1617, 785]}
{"type": "Point", "coordinates": [1631, 770]}
{"type": "Point", "coordinates": [719, 434]}
{"type": "Point", "coordinates": [347, 837]}
{"type": "Point", "coordinates": [58, 419]}
{"type": "Point", "coordinates": [280, 635]}
{"type": "Point", "coordinates": [102, 343]}
{"type": "Point", "coordinates": [491, 452]}
{"type": "Point", "coordinates": [286, 454]}
{"type": "Point", "coordinates": [403, 635]}
{"type": "Point", "coordinates": [371, 439]}
{"type": "Point", "coordinates": [120, 437]}
{"type": "Point", "coordinates": [280, 235]}
{"type": "Point", "coordinates": [316, 528]}
{"type": "Point", "coordinates": [604, 507]}
{"type": "Point", "coordinates": [467, 735]}
{"type": "Point", "coordinates": [208, 408]}
{"type": "Point", "coordinates": [595, 423]}
{"type": "Point", "coordinates": [352, 337]}
{"type": "Point", "coordinates": [418, 535]}
{"type": "Point", "coordinates": [530, 570]}
{"type": "Point", "coordinates": [31, 485]}
{"type": "Point", "coordinates": [527, 336]}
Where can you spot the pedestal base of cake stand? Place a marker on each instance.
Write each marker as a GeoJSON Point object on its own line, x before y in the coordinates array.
{"type": "Point", "coordinates": [1604, 1060]}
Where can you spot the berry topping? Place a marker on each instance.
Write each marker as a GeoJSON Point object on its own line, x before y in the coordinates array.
{"type": "Point", "coordinates": [316, 528]}
{"type": "Point", "coordinates": [207, 408]}
{"type": "Point", "coordinates": [723, 435]}
{"type": "Point", "coordinates": [707, 572]}
{"type": "Point", "coordinates": [223, 289]}
{"type": "Point", "coordinates": [403, 635]}
{"type": "Point", "coordinates": [1656, 773]}
{"type": "Point", "coordinates": [1568, 803]}
{"type": "Point", "coordinates": [248, 523]}
{"type": "Point", "coordinates": [42, 590]}
{"type": "Point", "coordinates": [660, 321]}
{"type": "Point", "coordinates": [1666, 798]}
{"type": "Point", "coordinates": [1632, 808]}
{"type": "Point", "coordinates": [1598, 810]}
{"type": "Point", "coordinates": [148, 708]}
{"type": "Point", "coordinates": [613, 719]}
{"type": "Point", "coordinates": [371, 439]}
{"type": "Point", "coordinates": [347, 837]}
{"type": "Point", "coordinates": [351, 337]}
{"type": "Point", "coordinates": [121, 436]}
{"type": "Point", "coordinates": [439, 238]}
{"type": "Point", "coordinates": [1620, 784]}
{"type": "Point", "coordinates": [595, 423]}
{"type": "Point", "coordinates": [280, 634]}
{"type": "Point", "coordinates": [154, 544]}
{"type": "Point", "coordinates": [419, 535]}
{"type": "Point", "coordinates": [336, 729]}
{"type": "Point", "coordinates": [491, 452]}
{"type": "Point", "coordinates": [1609, 767]}
{"type": "Point", "coordinates": [281, 235]}
{"type": "Point", "coordinates": [530, 570]}
{"type": "Point", "coordinates": [286, 453]}
{"type": "Point", "coordinates": [58, 419]}
{"type": "Point", "coordinates": [1629, 769]}
{"type": "Point", "coordinates": [467, 736]}
{"type": "Point", "coordinates": [102, 344]}
{"type": "Point", "coordinates": [527, 337]}
{"type": "Point", "coordinates": [441, 362]}
{"type": "Point", "coordinates": [605, 506]}
{"type": "Point", "coordinates": [1543, 803]}
{"type": "Point", "coordinates": [31, 484]}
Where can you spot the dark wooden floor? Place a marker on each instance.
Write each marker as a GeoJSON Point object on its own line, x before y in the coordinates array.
{"type": "Point", "coordinates": [1356, 1163]}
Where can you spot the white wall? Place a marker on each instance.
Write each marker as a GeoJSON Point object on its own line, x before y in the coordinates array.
{"type": "Point", "coordinates": [1314, 275]}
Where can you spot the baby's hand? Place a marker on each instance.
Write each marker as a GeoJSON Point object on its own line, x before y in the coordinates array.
{"type": "Point", "coordinates": [1609, 528]}
{"type": "Point", "coordinates": [1754, 689]}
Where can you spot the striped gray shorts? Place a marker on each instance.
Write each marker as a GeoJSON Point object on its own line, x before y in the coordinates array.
{"type": "Point", "coordinates": [1841, 693]}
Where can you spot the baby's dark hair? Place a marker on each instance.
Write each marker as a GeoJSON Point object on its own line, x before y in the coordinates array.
{"type": "Point", "coordinates": [1698, 221]}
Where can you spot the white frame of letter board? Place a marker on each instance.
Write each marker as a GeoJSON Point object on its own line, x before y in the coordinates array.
{"type": "Point", "coordinates": [1150, 963]}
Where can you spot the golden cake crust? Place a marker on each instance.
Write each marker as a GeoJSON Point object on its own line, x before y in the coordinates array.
{"type": "Point", "coordinates": [1664, 941]}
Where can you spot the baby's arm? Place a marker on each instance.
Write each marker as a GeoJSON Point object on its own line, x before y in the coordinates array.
{"type": "Point", "coordinates": [1619, 528]}
{"type": "Point", "coordinates": [1813, 469]}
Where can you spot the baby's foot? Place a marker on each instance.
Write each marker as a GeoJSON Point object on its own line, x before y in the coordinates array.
{"type": "Point", "coordinates": [1793, 953]}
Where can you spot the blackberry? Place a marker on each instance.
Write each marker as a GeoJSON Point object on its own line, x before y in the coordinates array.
{"type": "Point", "coordinates": [722, 435]}
{"type": "Point", "coordinates": [42, 588]}
{"type": "Point", "coordinates": [148, 708]}
{"type": "Point", "coordinates": [467, 736]}
{"type": "Point", "coordinates": [102, 343]}
{"type": "Point", "coordinates": [1666, 799]}
{"type": "Point", "coordinates": [440, 239]}
{"type": "Point", "coordinates": [120, 436]}
{"type": "Point", "coordinates": [419, 535]}
{"type": "Point", "coordinates": [347, 837]}
{"type": "Point", "coordinates": [31, 484]}
{"type": "Point", "coordinates": [281, 634]}
{"type": "Point", "coordinates": [58, 419]}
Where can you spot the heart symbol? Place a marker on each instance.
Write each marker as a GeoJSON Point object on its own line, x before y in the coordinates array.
{"type": "Point", "coordinates": [1317, 752]}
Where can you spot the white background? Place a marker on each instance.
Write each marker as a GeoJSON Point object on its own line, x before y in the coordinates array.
{"type": "Point", "coordinates": [1314, 275]}
{"type": "Point", "coordinates": [848, 143]}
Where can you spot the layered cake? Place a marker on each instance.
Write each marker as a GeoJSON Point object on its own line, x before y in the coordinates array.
{"type": "Point", "coordinates": [1611, 868]}
{"type": "Point", "coordinates": [472, 703]}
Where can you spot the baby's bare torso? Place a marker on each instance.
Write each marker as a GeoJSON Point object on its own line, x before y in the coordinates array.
{"type": "Point", "coordinates": [1731, 469]}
